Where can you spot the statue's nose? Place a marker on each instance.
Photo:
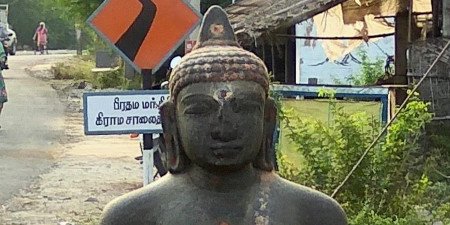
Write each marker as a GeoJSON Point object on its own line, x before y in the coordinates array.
{"type": "Point", "coordinates": [226, 128]}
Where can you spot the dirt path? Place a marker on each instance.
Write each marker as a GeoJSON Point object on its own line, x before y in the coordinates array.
{"type": "Point", "coordinates": [32, 124]}
{"type": "Point", "coordinates": [90, 172]}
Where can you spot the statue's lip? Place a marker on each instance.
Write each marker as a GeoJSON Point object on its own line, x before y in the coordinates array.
{"type": "Point", "coordinates": [225, 150]}
{"type": "Point", "coordinates": [226, 146]}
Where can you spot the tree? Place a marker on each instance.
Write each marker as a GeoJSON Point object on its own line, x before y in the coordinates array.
{"type": "Point", "coordinates": [25, 15]}
{"type": "Point", "coordinates": [76, 11]}
{"type": "Point", "coordinates": [371, 70]}
{"type": "Point", "coordinates": [61, 16]}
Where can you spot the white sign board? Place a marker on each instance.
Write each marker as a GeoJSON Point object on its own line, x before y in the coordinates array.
{"type": "Point", "coordinates": [123, 112]}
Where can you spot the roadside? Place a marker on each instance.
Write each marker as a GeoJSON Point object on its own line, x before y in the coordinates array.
{"type": "Point", "coordinates": [90, 172]}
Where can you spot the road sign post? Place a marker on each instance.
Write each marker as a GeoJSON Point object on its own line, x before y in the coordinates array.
{"type": "Point", "coordinates": [147, 162]}
{"type": "Point", "coordinates": [145, 33]}
{"type": "Point", "coordinates": [147, 151]}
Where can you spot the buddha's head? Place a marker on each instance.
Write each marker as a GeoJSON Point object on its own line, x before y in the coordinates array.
{"type": "Point", "coordinates": [219, 116]}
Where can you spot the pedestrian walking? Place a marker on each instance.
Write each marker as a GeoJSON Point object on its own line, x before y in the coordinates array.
{"type": "Point", "coordinates": [3, 95]}
{"type": "Point", "coordinates": [41, 37]}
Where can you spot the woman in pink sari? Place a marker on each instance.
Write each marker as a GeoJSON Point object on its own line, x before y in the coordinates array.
{"type": "Point", "coordinates": [40, 37]}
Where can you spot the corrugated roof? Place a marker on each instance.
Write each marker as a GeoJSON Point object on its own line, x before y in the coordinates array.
{"type": "Point", "coordinates": [256, 17]}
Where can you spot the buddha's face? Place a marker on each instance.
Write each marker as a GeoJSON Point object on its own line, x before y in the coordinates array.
{"type": "Point", "coordinates": [221, 125]}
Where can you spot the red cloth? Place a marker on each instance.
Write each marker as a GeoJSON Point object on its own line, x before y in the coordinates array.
{"type": "Point", "coordinates": [41, 34]}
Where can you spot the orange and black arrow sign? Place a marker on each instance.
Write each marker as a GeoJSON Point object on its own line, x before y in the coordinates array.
{"type": "Point", "coordinates": [145, 32]}
{"type": "Point", "coordinates": [132, 39]}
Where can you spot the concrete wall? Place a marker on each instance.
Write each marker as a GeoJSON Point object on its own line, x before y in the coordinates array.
{"type": "Point", "coordinates": [446, 18]}
{"type": "Point", "coordinates": [436, 88]}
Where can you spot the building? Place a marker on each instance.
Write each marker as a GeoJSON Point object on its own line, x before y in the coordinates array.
{"type": "Point", "coordinates": [420, 28]}
{"type": "Point", "coordinates": [423, 51]}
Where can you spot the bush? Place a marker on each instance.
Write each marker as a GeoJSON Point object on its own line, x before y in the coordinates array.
{"type": "Point", "coordinates": [111, 79]}
{"type": "Point", "coordinates": [76, 69]}
{"type": "Point", "coordinates": [80, 69]}
{"type": "Point", "coordinates": [391, 186]}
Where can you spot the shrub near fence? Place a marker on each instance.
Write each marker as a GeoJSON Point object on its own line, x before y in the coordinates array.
{"type": "Point", "coordinates": [80, 69]}
{"type": "Point", "coordinates": [387, 188]}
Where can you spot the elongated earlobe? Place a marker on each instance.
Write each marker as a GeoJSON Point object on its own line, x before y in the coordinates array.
{"type": "Point", "coordinates": [266, 155]}
{"type": "Point", "coordinates": [176, 159]}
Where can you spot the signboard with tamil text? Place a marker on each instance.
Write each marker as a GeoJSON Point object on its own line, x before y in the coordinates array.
{"type": "Point", "coordinates": [123, 112]}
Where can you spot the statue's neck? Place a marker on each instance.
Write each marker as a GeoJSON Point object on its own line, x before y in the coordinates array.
{"type": "Point", "coordinates": [223, 181]}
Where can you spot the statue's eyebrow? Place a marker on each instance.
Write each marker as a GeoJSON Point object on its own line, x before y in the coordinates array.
{"type": "Point", "coordinates": [249, 96]}
{"type": "Point", "coordinates": [193, 98]}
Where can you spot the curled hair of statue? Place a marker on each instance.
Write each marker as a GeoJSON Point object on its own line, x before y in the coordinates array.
{"type": "Point", "coordinates": [217, 57]}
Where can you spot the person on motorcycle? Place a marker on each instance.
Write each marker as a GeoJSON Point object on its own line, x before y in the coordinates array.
{"type": "Point", "coordinates": [40, 37]}
{"type": "Point", "coordinates": [3, 33]}
{"type": "Point", "coordinates": [3, 39]}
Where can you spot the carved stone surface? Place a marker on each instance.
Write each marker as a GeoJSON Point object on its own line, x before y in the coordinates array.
{"type": "Point", "coordinates": [218, 129]}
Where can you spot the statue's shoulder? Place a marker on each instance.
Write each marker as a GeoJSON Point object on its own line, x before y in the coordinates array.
{"type": "Point", "coordinates": [136, 207]}
{"type": "Point", "coordinates": [321, 208]}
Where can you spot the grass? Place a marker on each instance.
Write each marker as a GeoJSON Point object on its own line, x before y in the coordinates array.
{"type": "Point", "coordinates": [319, 110]}
{"type": "Point", "coordinates": [80, 69]}
{"type": "Point", "coordinates": [77, 69]}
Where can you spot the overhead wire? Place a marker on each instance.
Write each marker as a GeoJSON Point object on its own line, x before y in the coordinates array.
{"type": "Point", "coordinates": [378, 46]}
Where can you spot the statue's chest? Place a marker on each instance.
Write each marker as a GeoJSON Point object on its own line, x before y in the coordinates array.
{"type": "Point", "coordinates": [220, 209]}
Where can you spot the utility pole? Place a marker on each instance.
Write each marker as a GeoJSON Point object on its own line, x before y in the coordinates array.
{"type": "Point", "coordinates": [298, 55]}
{"type": "Point", "coordinates": [78, 37]}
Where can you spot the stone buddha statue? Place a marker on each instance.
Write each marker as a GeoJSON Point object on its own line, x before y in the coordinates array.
{"type": "Point", "coordinates": [218, 127]}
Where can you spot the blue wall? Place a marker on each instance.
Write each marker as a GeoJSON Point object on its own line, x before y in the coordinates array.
{"type": "Point", "coordinates": [328, 72]}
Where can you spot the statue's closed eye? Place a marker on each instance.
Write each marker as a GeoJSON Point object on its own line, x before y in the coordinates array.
{"type": "Point", "coordinates": [244, 106]}
{"type": "Point", "coordinates": [198, 108]}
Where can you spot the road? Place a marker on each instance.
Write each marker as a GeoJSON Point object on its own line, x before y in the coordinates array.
{"type": "Point", "coordinates": [42, 138]}
{"type": "Point", "coordinates": [31, 125]}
